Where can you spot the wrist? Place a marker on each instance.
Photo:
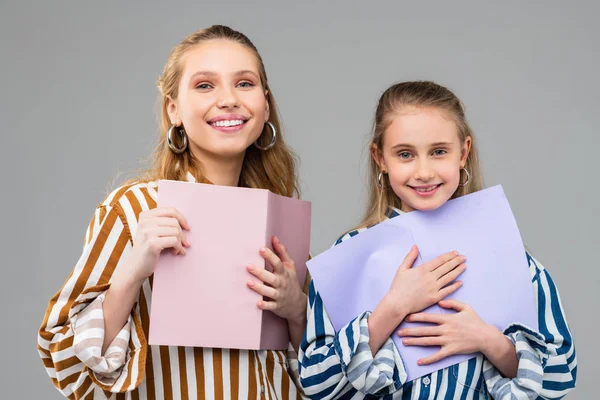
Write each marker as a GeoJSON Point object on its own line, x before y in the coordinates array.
{"type": "Point", "coordinates": [299, 318]}
{"type": "Point", "coordinates": [393, 308]}
{"type": "Point", "coordinates": [126, 282]}
{"type": "Point", "coordinates": [492, 340]}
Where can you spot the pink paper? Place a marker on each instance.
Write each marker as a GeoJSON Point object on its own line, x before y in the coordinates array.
{"type": "Point", "coordinates": [201, 299]}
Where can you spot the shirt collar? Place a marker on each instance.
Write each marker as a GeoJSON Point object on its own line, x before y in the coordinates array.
{"type": "Point", "coordinates": [394, 212]}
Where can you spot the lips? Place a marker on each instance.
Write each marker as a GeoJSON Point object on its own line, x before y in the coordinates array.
{"type": "Point", "coordinates": [425, 190]}
{"type": "Point", "coordinates": [228, 122]}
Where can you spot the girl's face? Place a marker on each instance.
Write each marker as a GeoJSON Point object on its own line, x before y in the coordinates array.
{"type": "Point", "coordinates": [221, 101]}
{"type": "Point", "coordinates": [422, 155]}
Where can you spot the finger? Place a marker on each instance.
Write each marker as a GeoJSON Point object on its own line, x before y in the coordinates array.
{"type": "Point", "coordinates": [448, 290]}
{"type": "Point", "coordinates": [440, 260]}
{"type": "Point", "coordinates": [410, 258]}
{"type": "Point", "coordinates": [452, 275]}
{"type": "Point", "coordinates": [272, 259]}
{"type": "Point", "coordinates": [263, 289]}
{"type": "Point", "coordinates": [168, 242]}
{"type": "Point", "coordinates": [162, 231]}
{"type": "Point", "coordinates": [426, 317]}
{"type": "Point", "coordinates": [262, 274]}
{"type": "Point", "coordinates": [171, 212]}
{"type": "Point", "coordinates": [267, 305]}
{"type": "Point", "coordinates": [452, 304]}
{"type": "Point", "coordinates": [450, 266]}
{"type": "Point", "coordinates": [421, 331]}
{"type": "Point", "coordinates": [422, 341]}
{"type": "Point", "coordinates": [440, 355]}
{"type": "Point", "coordinates": [281, 250]}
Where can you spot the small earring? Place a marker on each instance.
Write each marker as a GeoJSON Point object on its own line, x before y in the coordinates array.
{"type": "Point", "coordinates": [468, 177]}
{"type": "Point", "coordinates": [380, 180]}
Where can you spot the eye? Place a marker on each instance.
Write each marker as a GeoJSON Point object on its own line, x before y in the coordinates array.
{"type": "Point", "coordinates": [246, 84]}
{"type": "Point", "coordinates": [405, 155]}
{"type": "Point", "coordinates": [439, 152]}
{"type": "Point", "coordinates": [203, 86]}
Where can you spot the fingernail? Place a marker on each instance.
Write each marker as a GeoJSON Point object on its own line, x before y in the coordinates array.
{"type": "Point", "coordinates": [276, 238]}
{"type": "Point", "coordinates": [250, 283]}
{"type": "Point", "coordinates": [249, 267]}
{"type": "Point", "coordinates": [263, 249]}
{"type": "Point", "coordinates": [455, 253]}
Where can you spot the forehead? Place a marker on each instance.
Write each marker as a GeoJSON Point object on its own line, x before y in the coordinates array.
{"type": "Point", "coordinates": [420, 126]}
{"type": "Point", "coordinates": [219, 55]}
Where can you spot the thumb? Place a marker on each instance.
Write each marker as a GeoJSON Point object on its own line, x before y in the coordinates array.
{"type": "Point", "coordinates": [410, 258]}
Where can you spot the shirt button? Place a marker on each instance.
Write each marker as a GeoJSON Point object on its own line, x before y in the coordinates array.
{"type": "Point", "coordinates": [262, 389]}
{"type": "Point", "coordinates": [426, 381]}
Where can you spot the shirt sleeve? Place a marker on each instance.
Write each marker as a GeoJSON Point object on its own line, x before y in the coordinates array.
{"type": "Point", "coordinates": [547, 359]}
{"type": "Point", "coordinates": [334, 364]}
{"type": "Point", "coordinates": [71, 336]}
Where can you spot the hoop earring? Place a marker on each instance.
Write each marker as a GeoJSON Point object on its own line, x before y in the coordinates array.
{"type": "Point", "coordinates": [468, 178]}
{"type": "Point", "coordinates": [182, 135]}
{"type": "Point", "coordinates": [380, 181]}
{"type": "Point", "coordinates": [273, 140]}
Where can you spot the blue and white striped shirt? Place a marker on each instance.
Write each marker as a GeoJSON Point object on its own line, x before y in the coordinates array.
{"type": "Point", "coordinates": [339, 365]}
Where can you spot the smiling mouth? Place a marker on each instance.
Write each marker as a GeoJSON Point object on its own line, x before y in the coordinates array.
{"type": "Point", "coordinates": [226, 123]}
{"type": "Point", "coordinates": [425, 189]}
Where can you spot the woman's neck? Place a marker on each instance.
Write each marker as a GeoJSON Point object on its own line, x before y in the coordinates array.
{"type": "Point", "coordinates": [221, 171]}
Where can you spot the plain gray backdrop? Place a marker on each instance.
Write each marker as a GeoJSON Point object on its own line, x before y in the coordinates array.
{"type": "Point", "coordinates": [79, 101]}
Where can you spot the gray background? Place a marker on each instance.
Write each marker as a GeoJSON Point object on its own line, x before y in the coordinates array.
{"type": "Point", "coordinates": [79, 100]}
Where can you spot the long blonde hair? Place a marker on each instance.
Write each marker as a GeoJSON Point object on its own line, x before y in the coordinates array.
{"type": "Point", "coordinates": [391, 102]}
{"type": "Point", "coordinates": [273, 169]}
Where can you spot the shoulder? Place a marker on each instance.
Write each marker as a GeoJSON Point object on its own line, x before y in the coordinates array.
{"type": "Point", "coordinates": [349, 235]}
{"type": "Point", "coordinates": [536, 269]}
{"type": "Point", "coordinates": [129, 200]}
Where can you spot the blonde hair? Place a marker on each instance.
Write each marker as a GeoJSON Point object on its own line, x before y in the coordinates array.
{"type": "Point", "coordinates": [415, 94]}
{"type": "Point", "coordinates": [274, 169]}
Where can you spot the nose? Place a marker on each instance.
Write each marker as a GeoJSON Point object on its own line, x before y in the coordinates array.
{"type": "Point", "coordinates": [424, 172]}
{"type": "Point", "coordinates": [228, 99]}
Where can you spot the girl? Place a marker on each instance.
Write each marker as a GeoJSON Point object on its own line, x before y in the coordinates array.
{"type": "Point", "coordinates": [219, 125]}
{"type": "Point", "coordinates": [423, 154]}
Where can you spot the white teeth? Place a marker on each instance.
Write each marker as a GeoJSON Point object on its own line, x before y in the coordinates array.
{"type": "Point", "coordinates": [226, 123]}
{"type": "Point", "coordinates": [427, 189]}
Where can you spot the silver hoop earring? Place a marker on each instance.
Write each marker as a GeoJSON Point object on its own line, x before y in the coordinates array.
{"type": "Point", "coordinates": [273, 140]}
{"type": "Point", "coordinates": [380, 181]}
{"type": "Point", "coordinates": [182, 135]}
{"type": "Point", "coordinates": [468, 178]}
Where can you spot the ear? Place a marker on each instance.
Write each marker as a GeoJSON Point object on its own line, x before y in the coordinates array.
{"type": "Point", "coordinates": [173, 111]}
{"type": "Point", "coordinates": [377, 155]}
{"type": "Point", "coordinates": [466, 148]}
{"type": "Point", "coordinates": [267, 109]}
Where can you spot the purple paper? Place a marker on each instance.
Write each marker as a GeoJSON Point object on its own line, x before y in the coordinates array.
{"type": "Point", "coordinates": [355, 275]}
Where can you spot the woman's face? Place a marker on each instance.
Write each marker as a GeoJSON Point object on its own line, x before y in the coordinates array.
{"type": "Point", "coordinates": [221, 103]}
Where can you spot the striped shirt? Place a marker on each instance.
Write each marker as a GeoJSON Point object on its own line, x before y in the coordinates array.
{"type": "Point", "coordinates": [340, 364]}
{"type": "Point", "coordinates": [72, 333]}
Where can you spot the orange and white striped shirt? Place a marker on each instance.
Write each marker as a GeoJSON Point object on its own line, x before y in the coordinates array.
{"type": "Point", "coordinates": [71, 336]}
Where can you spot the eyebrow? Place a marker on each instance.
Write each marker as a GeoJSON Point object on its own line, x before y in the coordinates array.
{"type": "Point", "coordinates": [212, 73]}
{"type": "Point", "coordinates": [437, 144]}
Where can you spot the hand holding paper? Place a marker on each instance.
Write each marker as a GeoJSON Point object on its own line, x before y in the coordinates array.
{"type": "Point", "coordinates": [354, 276]}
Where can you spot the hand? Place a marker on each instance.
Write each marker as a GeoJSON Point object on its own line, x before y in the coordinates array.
{"type": "Point", "coordinates": [460, 333]}
{"type": "Point", "coordinates": [414, 289]}
{"type": "Point", "coordinates": [158, 229]}
{"type": "Point", "coordinates": [281, 286]}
